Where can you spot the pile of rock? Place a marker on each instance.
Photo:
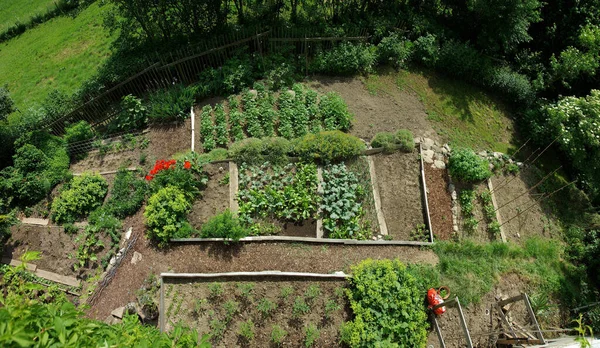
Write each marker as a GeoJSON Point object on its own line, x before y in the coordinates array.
{"type": "Point", "coordinates": [433, 153]}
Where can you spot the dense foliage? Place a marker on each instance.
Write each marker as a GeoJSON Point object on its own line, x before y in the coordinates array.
{"type": "Point", "coordinates": [287, 193]}
{"type": "Point", "coordinates": [77, 132]}
{"type": "Point", "coordinates": [40, 162]}
{"type": "Point", "coordinates": [224, 225]}
{"type": "Point", "coordinates": [7, 105]}
{"type": "Point", "coordinates": [327, 147]}
{"type": "Point", "coordinates": [127, 194]}
{"type": "Point", "coordinates": [79, 197]}
{"type": "Point", "coordinates": [402, 139]}
{"type": "Point", "coordinates": [345, 59]}
{"type": "Point", "coordinates": [387, 305]}
{"type": "Point", "coordinates": [166, 215]}
{"type": "Point", "coordinates": [464, 165]}
{"type": "Point", "coordinates": [341, 207]}
{"type": "Point", "coordinates": [171, 105]}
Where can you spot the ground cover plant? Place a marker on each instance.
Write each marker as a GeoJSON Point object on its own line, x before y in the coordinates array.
{"type": "Point", "coordinates": [258, 311]}
{"type": "Point", "coordinates": [341, 207]}
{"type": "Point", "coordinates": [284, 193]}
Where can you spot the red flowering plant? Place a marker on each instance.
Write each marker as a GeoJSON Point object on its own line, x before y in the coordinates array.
{"type": "Point", "coordinates": [181, 174]}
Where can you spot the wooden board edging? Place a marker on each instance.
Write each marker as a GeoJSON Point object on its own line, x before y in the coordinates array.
{"type": "Point", "coordinates": [495, 204]}
{"type": "Point", "coordinates": [337, 275]}
{"type": "Point", "coordinates": [424, 187]}
{"type": "Point", "coordinates": [303, 239]}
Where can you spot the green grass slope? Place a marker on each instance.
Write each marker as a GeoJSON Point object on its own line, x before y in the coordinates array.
{"type": "Point", "coordinates": [61, 53]}
{"type": "Point", "coordinates": [13, 11]}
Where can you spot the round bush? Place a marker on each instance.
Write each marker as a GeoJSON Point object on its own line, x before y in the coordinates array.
{"type": "Point", "coordinates": [84, 194]}
{"type": "Point", "coordinates": [405, 140]}
{"type": "Point", "coordinates": [385, 288]}
{"type": "Point", "coordinates": [328, 146]}
{"type": "Point", "coordinates": [247, 150]}
{"type": "Point", "coordinates": [224, 225]}
{"type": "Point", "coordinates": [464, 165]}
{"type": "Point", "coordinates": [80, 131]}
{"type": "Point", "coordinates": [383, 139]}
{"type": "Point", "coordinates": [166, 214]}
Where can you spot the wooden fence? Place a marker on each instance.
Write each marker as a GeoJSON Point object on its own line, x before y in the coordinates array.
{"type": "Point", "coordinates": [185, 65]}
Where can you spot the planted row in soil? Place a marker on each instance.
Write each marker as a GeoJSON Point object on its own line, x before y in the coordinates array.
{"type": "Point", "coordinates": [480, 233]}
{"type": "Point", "coordinates": [399, 184]}
{"type": "Point", "coordinates": [440, 202]}
{"type": "Point", "coordinates": [222, 306]}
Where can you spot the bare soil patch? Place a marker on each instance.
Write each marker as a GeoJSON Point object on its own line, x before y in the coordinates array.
{"type": "Point", "coordinates": [306, 228]}
{"type": "Point", "coordinates": [163, 142]}
{"type": "Point", "coordinates": [440, 202]}
{"type": "Point", "coordinates": [384, 110]}
{"type": "Point", "coordinates": [55, 246]}
{"type": "Point", "coordinates": [185, 296]}
{"type": "Point", "coordinates": [215, 197]}
{"type": "Point", "coordinates": [528, 216]}
{"type": "Point", "coordinates": [480, 320]}
{"type": "Point", "coordinates": [216, 257]}
{"type": "Point", "coordinates": [399, 184]}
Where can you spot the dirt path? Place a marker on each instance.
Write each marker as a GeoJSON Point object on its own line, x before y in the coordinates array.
{"type": "Point", "coordinates": [378, 111]}
{"type": "Point", "coordinates": [214, 257]}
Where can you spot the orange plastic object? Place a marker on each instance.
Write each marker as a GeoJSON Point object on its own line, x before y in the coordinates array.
{"type": "Point", "coordinates": [434, 299]}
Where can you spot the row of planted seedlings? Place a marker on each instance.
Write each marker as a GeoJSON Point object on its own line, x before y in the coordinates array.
{"type": "Point", "coordinates": [260, 113]}
{"type": "Point", "coordinates": [274, 309]}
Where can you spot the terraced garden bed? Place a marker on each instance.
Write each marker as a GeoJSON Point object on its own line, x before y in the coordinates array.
{"type": "Point", "coordinates": [259, 311]}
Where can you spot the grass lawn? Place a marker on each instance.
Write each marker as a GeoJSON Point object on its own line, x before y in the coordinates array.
{"type": "Point", "coordinates": [13, 11]}
{"type": "Point", "coordinates": [462, 114]}
{"type": "Point", "coordinates": [61, 53]}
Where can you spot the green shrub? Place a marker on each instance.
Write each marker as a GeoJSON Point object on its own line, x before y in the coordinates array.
{"type": "Point", "coordinates": [166, 214]}
{"type": "Point", "coordinates": [224, 225]}
{"type": "Point", "coordinates": [218, 154]}
{"type": "Point", "coordinates": [334, 112]}
{"type": "Point", "coordinates": [127, 195]}
{"type": "Point", "coordinates": [79, 197]}
{"type": "Point", "coordinates": [7, 105]}
{"type": "Point", "coordinates": [427, 50]}
{"type": "Point", "coordinates": [386, 140]}
{"type": "Point", "coordinates": [275, 150]}
{"type": "Point", "coordinates": [514, 86]}
{"type": "Point", "coordinates": [345, 59]}
{"type": "Point", "coordinates": [80, 131]}
{"type": "Point", "coordinates": [248, 150]}
{"type": "Point", "coordinates": [395, 50]}
{"type": "Point", "coordinates": [464, 165]}
{"type": "Point", "coordinates": [55, 150]}
{"type": "Point", "coordinates": [29, 158]}
{"type": "Point", "coordinates": [387, 288]}
{"type": "Point", "coordinates": [237, 74]}
{"type": "Point", "coordinates": [171, 104]}
{"type": "Point", "coordinates": [133, 116]}
{"type": "Point", "coordinates": [102, 220]}
{"type": "Point", "coordinates": [189, 181]}
{"type": "Point", "coordinates": [327, 147]}
{"type": "Point", "coordinates": [405, 140]}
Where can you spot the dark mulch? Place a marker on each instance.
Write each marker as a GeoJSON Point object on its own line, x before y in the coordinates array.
{"type": "Point", "coordinates": [399, 181]}
{"type": "Point", "coordinates": [216, 257]}
{"type": "Point", "coordinates": [440, 202]}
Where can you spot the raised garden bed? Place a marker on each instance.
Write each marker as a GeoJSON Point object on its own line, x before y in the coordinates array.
{"type": "Point", "coordinates": [477, 217]}
{"type": "Point", "coordinates": [244, 311]}
{"type": "Point", "coordinates": [399, 185]}
{"type": "Point", "coordinates": [280, 200]}
{"type": "Point", "coordinates": [440, 202]}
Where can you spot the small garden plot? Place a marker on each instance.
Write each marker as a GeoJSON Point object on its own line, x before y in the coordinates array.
{"type": "Point", "coordinates": [440, 202]}
{"type": "Point", "coordinates": [260, 113]}
{"type": "Point", "coordinates": [58, 248]}
{"type": "Point", "coordinates": [279, 199]}
{"type": "Point", "coordinates": [478, 217]}
{"type": "Point", "coordinates": [215, 197]}
{"type": "Point", "coordinates": [399, 185]}
{"type": "Point", "coordinates": [259, 312]}
{"type": "Point", "coordinates": [125, 151]}
{"type": "Point", "coordinates": [348, 208]}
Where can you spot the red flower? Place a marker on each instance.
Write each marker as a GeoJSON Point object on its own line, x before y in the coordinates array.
{"type": "Point", "coordinates": [149, 177]}
{"type": "Point", "coordinates": [187, 165]}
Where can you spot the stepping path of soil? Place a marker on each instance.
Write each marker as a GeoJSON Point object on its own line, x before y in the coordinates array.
{"type": "Point", "coordinates": [216, 257]}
